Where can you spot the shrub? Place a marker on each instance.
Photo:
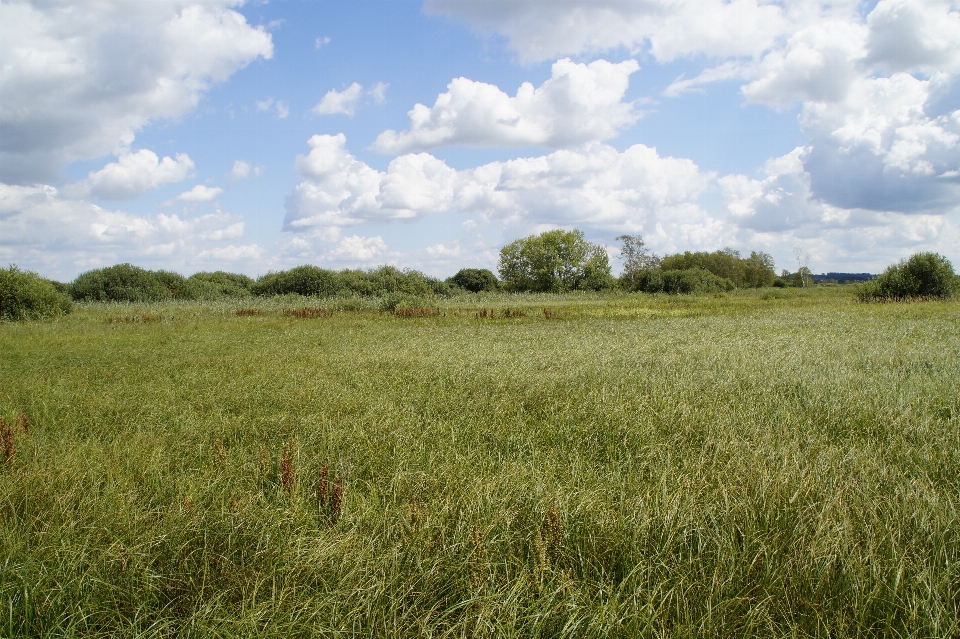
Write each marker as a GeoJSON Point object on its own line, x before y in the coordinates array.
{"type": "Point", "coordinates": [129, 283]}
{"type": "Point", "coordinates": [692, 280]}
{"type": "Point", "coordinates": [750, 272]}
{"type": "Point", "coordinates": [475, 280]}
{"type": "Point", "coordinates": [25, 295]}
{"type": "Point", "coordinates": [923, 275]}
{"type": "Point", "coordinates": [303, 280]}
{"type": "Point", "coordinates": [314, 281]}
{"type": "Point", "coordinates": [219, 284]}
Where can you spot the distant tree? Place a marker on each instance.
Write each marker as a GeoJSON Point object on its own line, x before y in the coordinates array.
{"type": "Point", "coordinates": [475, 280]}
{"type": "Point", "coordinates": [555, 261]}
{"type": "Point", "coordinates": [637, 258]}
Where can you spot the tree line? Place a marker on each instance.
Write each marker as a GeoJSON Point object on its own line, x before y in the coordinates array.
{"type": "Point", "coordinates": [555, 261]}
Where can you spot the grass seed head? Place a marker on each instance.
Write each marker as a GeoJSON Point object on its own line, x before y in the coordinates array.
{"type": "Point", "coordinates": [553, 532]}
{"type": "Point", "coordinates": [24, 423]}
{"type": "Point", "coordinates": [287, 479]}
{"type": "Point", "coordinates": [336, 501]}
{"type": "Point", "coordinates": [323, 484]}
{"type": "Point", "coordinates": [6, 433]}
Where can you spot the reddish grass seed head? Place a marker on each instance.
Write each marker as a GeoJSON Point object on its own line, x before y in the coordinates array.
{"type": "Point", "coordinates": [6, 433]}
{"type": "Point", "coordinates": [24, 423]}
{"type": "Point", "coordinates": [286, 469]}
{"type": "Point", "coordinates": [336, 501]}
{"type": "Point", "coordinates": [322, 484]}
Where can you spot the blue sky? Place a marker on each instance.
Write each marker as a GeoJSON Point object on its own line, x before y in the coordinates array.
{"type": "Point", "coordinates": [257, 136]}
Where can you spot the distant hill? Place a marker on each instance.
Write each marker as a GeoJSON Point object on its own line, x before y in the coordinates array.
{"type": "Point", "coordinates": [843, 277]}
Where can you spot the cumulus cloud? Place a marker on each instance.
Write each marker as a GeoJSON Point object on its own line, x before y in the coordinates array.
{"type": "Point", "coordinates": [781, 211]}
{"type": "Point", "coordinates": [598, 186]}
{"type": "Point", "coordinates": [543, 29]}
{"type": "Point", "coordinates": [818, 63]}
{"type": "Point", "coordinates": [915, 35]}
{"type": "Point", "coordinates": [880, 149]}
{"type": "Point", "coordinates": [360, 249]}
{"type": "Point", "coordinates": [200, 194]}
{"type": "Point", "coordinates": [64, 95]}
{"type": "Point", "coordinates": [579, 103]}
{"type": "Point", "coordinates": [133, 174]}
{"type": "Point", "coordinates": [242, 170]}
{"type": "Point", "coordinates": [231, 253]}
{"type": "Point", "coordinates": [61, 236]}
{"type": "Point", "coordinates": [340, 101]}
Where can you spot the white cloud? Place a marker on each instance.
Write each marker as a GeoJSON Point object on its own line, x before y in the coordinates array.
{"type": "Point", "coordinates": [818, 64]}
{"type": "Point", "coordinates": [360, 249]}
{"type": "Point", "coordinates": [579, 103]}
{"type": "Point", "coordinates": [319, 43]}
{"type": "Point", "coordinates": [379, 92]}
{"type": "Point", "coordinates": [133, 174]}
{"type": "Point", "coordinates": [340, 101]}
{"type": "Point", "coordinates": [339, 190]}
{"type": "Point", "coordinates": [880, 149]}
{"type": "Point", "coordinates": [730, 70]}
{"type": "Point", "coordinates": [58, 236]}
{"type": "Point", "coordinates": [269, 104]}
{"type": "Point", "coordinates": [231, 232]}
{"type": "Point", "coordinates": [597, 186]}
{"type": "Point", "coordinates": [242, 170]}
{"type": "Point", "coordinates": [65, 96]}
{"type": "Point", "coordinates": [781, 211]}
{"type": "Point", "coordinates": [444, 249]}
{"type": "Point", "coordinates": [543, 29]}
{"type": "Point", "coordinates": [200, 194]}
{"type": "Point", "coordinates": [231, 253]}
{"type": "Point", "coordinates": [915, 35]}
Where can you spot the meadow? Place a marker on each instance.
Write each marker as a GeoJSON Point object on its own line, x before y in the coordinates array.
{"type": "Point", "coordinates": [763, 463]}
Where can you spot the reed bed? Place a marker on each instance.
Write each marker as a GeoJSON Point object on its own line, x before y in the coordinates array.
{"type": "Point", "coordinates": [595, 466]}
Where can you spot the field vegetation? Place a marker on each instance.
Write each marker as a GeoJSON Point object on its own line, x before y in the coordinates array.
{"type": "Point", "coordinates": [761, 462]}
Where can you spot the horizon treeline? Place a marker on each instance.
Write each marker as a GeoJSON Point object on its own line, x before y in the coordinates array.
{"type": "Point", "coordinates": [681, 273]}
{"type": "Point", "coordinates": [552, 262]}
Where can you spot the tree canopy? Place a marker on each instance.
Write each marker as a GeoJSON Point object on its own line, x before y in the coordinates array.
{"type": "Point", "coordinates": [555, 261]}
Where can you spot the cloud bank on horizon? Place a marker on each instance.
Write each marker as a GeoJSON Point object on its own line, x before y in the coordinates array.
{"type": "Point", "coordinates": [396, 167]}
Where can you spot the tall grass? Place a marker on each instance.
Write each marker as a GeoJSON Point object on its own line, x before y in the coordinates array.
{"type": "Point", "coordinates": [740, 465]}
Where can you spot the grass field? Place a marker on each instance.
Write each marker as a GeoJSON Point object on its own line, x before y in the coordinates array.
{"type": "Point", "coordinates": [765, 463]}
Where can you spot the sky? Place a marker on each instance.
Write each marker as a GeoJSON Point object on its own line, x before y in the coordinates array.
{"type": "Point", "coordinates": [257, 136]}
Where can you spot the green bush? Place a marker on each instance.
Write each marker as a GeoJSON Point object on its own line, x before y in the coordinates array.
{"type": "Point", "coordinates": [924, 275]}
{"type": "Point", "coordinates": [751, 272]}
{"type": "Point", "coordinates": [129, 283]}
{"type": "Point", "coordinates": [475, 280]}
{"type": "Point", "coordinates": [693, 280]}
{"type": "Point", "coordinates": [25, 295]}
{"type": "Point", "coordinates": [219, 284]}
{"type": "Point", "coordinates": [314, 281]}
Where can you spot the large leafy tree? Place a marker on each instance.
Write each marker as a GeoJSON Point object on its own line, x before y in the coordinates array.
{"type": "Point", "coordinates": [554, 261]}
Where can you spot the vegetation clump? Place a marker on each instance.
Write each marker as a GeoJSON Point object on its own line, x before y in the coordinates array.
{"type": "Point", "coordinates": [310, 280]}
{"type": "Point", "coordinates": [475, 280]}
{"type": "Point", "coordinates": [24, 295]}
{"type": "Point", "coordinates": [129, 283]}
{"type": "Point", "coordinates": [554, 262]}
{"type": "Point", "coordinates": [220, 284]}
{"type": "Point", "coordinates": [691, 272]}
{"type": "Point", "coordinates": [922, 276]}
{"type": "Point", "coordinates": [685, 281]}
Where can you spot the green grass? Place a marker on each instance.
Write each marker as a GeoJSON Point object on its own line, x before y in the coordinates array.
{"type": "Point", "coordinates": [764, 463]}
